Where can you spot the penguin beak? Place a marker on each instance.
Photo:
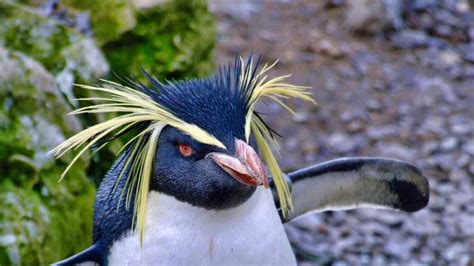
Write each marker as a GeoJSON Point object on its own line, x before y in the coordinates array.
{"type": "Point", "coordinates": [246, 167]}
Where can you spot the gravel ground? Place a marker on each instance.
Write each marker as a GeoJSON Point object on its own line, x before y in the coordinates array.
{"type": "Point", "coordinates": [394, 79]}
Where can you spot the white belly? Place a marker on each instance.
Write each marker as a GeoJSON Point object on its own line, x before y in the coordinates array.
{"type": "Point", "coordinates": [180, 234]}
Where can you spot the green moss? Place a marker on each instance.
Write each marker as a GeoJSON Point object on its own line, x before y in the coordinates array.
{"type": "Point", "coordinates": [171, 40]}
{"type": "Point", "coordinates": [109, 18]}
{"type": "Point", "coordinates": [57, 47]}
{"type": "Point", "coordinates": [42, 221]}
{"type": "Point", "coordinates": [11, 142]}
{"type": "Point", "coordinates": [42, 38]}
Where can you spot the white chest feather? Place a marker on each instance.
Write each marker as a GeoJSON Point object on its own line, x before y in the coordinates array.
{"type": "Point", "coordinates": [178, 233]}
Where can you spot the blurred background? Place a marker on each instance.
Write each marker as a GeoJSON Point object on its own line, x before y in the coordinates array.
{"type": "Point", "coordinates": [393, 78]}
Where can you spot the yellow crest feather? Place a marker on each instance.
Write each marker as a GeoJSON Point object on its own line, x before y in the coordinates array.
{"type": "Point", "coordinates": [275, 89]}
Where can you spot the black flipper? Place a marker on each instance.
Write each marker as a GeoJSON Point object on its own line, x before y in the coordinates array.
{"type": "Point", "coordinates": [350, 183]}
{"type": "Point", "coordinates": [94, 253]}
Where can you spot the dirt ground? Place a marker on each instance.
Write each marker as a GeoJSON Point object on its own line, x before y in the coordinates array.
{"type": "Point", "coordinates": [405, 92]}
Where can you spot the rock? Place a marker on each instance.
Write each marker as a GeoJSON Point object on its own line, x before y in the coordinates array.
{"type": "Point", "coordinates": [341, 143]}
{"type": "Point", "coordinates": [446, 188]}
{"type": "Point", "coordinates": [334, 3]}
{"type": "Point", "coordinates": [38, 215]}
{"type": "Point", "coordinates": [439, 88]}
{"type": "Point", "coordinates": [355, 126]}
{"type": "Point", "coordinates": [468, 52]}
{"type": "Point", "coordinates": [410, 39]}
{"type": "Point", "coordinates": [466, 224]}
{"type": "Point", "coordinates": [380, 132]}
{"type": "Point", "coordinates": [449, 58]}
{"type": "Point", "coordinates": [343, 244]}
{"type": "Point", "coordinates": [471, 168]}
{"type": "Point", "coordinates": [427, 257]}
{"type": "Point", "coordinates": [375, 228]}
{"type": "Point", "coordinates": [85, 60]}
{"type": "Point", "coordinates": [109, 18]}
{"type": "Point", "coordinates": [301, 117]}
{"type": "Point", "coordinates": [468, 72]}
{"type": "Point", "coordinates": [53, 45]}
{"type": "Point", "coordinates": [435, 124]}
{"type": "Point", "coordinates": [469, 209]}
{"type": "Point", "coordinates": [420, 5]}
{"type": "Point", "coordinates": [437, 203]}
{"type": "Point", "coordinates": [308, 222]}
{"type": "Point", "coordinates": [443, 160]}
{"type": "Point", "coordinates": [292, 143]}
{"type": "Point", "coordinates": [38, 85]}
{"type": "Point", "coordinates": [244, 10]}
{"type": "Point", "coordinates": [453, 251]}
{"type": "Point", "coordinates": [379, 259]}
{"type": "Point", "coordinates": [449, 143]}
{"type": "Point", "coordinates": [420, 223]}
{"type": "Point", "coordinates": [429, 147]}
{"type": "Point", "coordinates": [460, 127]}
{"type": "Point", "coordinates": [83, 24]}
{"type": "Point", "coordinates": [461, 199]}
{"type": "Point", "coordinates": [145, 4]}
{"type": "Point", "coordinates": [389, 218]}
{"type": "Point", "coordinates": [373, 105]}
{"type": "Point", "coordinates": [372, 16]}
{"type": "Point", "coordinates": [354, 115]}
{"type": "Point", "coordinates": [400, 246]}
{"type": "Point", "coordinates": [393, 10]}
{"type": "Point", "coordinates": [173, 40]}
{"type": "Point", "coordinates": [385, 217]}
{"type": "Point", "coordinates": [329, 48]}
{"type": "Point", "coordinates": [292, 232]}
{"type": "Point", "coordinates": [468, 147]}
{"type": "Point", "coordinates": [41, 38]}
{"type": "Point", "coordinates": [396, 150]}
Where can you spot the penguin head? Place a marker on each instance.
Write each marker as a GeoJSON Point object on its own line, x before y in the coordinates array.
{"type": "Point", "coordinates": [204, 175]}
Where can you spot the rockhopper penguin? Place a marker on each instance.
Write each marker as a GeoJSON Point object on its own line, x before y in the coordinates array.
{"type": "Point", "coordinates": [190, 187]}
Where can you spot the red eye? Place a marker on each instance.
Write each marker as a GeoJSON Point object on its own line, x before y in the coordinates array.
{"type": "Point", "coordinates": [185, 150]}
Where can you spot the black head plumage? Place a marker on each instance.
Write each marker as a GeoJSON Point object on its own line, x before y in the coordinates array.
{"type": "Point", "coordinates": [219, 104]}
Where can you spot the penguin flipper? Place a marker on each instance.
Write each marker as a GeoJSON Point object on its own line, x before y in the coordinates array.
{"type": "Point", "coordinates": [350, 183]}
{"type": "Point", "coordinates": [93, 254]}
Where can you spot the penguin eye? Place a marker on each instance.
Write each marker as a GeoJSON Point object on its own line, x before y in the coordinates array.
{"type": "Point", "coordinates": [185, 150]}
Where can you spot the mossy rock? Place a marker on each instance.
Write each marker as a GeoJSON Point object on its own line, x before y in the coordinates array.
{"type": "Point", "coordinates": [56, 46]}
{"type": "Point", "coordinates": [42, 221]}
{"type": "Point", "coordinates": [24, 30]}
{"type": "Point", "coordinates": [172, 40]}
{"type": "Point", "coordinates": [109, 18]}
{"type": "Point", "coordinates": [69, 56]}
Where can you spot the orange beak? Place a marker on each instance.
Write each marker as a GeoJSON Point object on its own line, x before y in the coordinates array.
{"type": "Point", "coordinates": [246, 167]}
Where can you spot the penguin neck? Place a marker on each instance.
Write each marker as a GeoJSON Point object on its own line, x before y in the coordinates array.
{"type": "Point", "coordinates": [162, 207]}
{"type": "Point", "coordinates": [179, 233]}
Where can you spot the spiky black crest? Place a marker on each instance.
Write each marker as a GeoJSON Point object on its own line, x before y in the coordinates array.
{"type": "Point", "coordinates": [219, 104]}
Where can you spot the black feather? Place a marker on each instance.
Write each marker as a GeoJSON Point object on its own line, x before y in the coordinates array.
{"type": "Point", "coordinates": [219, 104]}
